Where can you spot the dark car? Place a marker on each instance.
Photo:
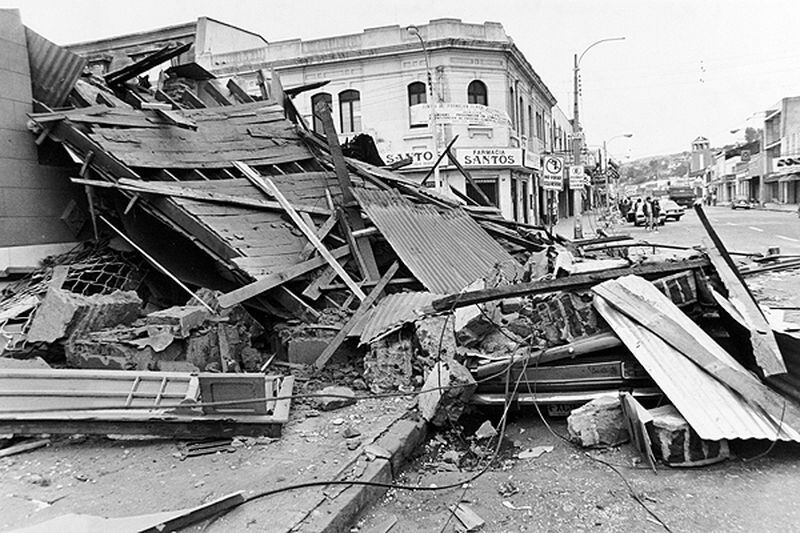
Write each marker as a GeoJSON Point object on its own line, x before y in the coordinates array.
{"type": "Point", "coordinates": [741, 203]}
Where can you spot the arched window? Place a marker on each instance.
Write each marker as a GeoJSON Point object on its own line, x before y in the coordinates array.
{"type": "Point", "coordinates": [512, 104]}
{"type": "Point", "coordinates": [317, 98]}
{"type": "Point", "coordinates": [521, 117]}
{"type": "Point", "coordinates": [350, 111]}
{"type": "Point", "coordinates": [476, 93]}
{"type": "Point", "coordinates": [416, 95]}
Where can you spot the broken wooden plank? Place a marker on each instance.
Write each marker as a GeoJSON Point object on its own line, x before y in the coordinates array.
{"type": "Point", "coordinates": [313, 290]}
{"type": "Point", "coordinates": [357, 316]}
{"type": "Point", "coordinates": [190, 99]}
{"type": "Point", "coordinates": [176, 119]}
{"type": "Point", "coordinates": [239, 93]}
{"type": "Point", "coordinates": [265, 185]}
{"type": "Point", "coordinates": [484, 200]}
{"type": "Point", "coordinates": [176, 191]}
{"type": "Point", "coordinates": [322, 232]}
{"type": "Point", "coordinates": [637, 418]}
{"type": "Point", "coordinates": [352, 213]}
{"type": "Point", "coordinates": [273, 280]}
{"type": "Point", "coordinates": [641, 302]}
{"type": "Point", "coordinates": [464, 299]}
{"type": "Point", "coordinates": [468, 518]}
{"type": "Point", "coordinates": [120, 76]}
{"type": "Point", "coordinates": [23, 447]}
{"type": "Point", "coordinates": [214, 93]}
{"type": "Point", "coordinates": [765, 347]}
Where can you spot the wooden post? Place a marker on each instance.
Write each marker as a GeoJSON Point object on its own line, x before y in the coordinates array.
{"type": "Point", "coordinates": [351, 210]}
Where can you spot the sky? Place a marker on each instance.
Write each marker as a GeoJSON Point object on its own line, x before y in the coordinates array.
{"type": "Point", "coordinates": [685, 69]}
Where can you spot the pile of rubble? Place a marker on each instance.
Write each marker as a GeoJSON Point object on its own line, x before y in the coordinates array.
{"type": "Point", "coordinates": [251, 242]}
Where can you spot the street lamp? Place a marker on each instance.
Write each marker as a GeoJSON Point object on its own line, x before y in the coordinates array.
{"type": "Point", "coordinates": [605, 165]}
{"type": "Point", "coordinates": [437, 183]}
{"type": "Point", "coordinates": [576, 131]}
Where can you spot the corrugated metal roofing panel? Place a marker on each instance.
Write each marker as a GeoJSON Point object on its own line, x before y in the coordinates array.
{"type": "Point", "coordinates": [446, 250]}
{"type": "Point", "coordinates": [54, 70]}
{"type": "Point", "coordinates": [714, 411]}
{"type": "Point", "coordinates": [394, 311]}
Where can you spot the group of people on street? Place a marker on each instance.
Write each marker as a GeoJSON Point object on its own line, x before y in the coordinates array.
{"type": "Point", "coordinates": [651, 209]}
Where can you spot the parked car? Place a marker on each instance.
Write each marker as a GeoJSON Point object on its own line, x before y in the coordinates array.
{"type": "Point", "coordinates": [641, 220]}
{"type": "Point", "coordinates": [741, 203]}
{"type": "Point", "coordinates": [671, 210]}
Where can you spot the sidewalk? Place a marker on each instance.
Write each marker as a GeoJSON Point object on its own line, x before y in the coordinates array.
{"type": "Point", "coordinates": [769, 206]}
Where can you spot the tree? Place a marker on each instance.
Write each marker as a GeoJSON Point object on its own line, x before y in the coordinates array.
{"type": "Point", "coordinates": [752, 134]}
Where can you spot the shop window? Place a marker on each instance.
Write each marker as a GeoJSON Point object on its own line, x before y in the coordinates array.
{"type": "Point", "coordinates": [525, 200]}
{"type": "Point", "coordinates": [317, 98]}
{"type": "Point", "coordinates": [416, 95]}
{"type": "Point", "coordinates": [488, 186]}
{"type": "Point", "coordinates": [476, 93]}
{"type": "Point", "coordinates": [349, 111]}
{"type": "Point", "coordinates": [514, 199]}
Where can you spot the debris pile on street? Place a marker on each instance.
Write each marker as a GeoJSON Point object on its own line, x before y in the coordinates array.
{"type": "Point", "coordinates": [228, 241]}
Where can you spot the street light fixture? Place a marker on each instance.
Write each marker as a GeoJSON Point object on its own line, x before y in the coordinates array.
{"type": "Point", "coordinates": [576, 130]}
{"type": "Point", "coordinates": [605, 165]}
{"type": "Point", "coordinates": [413, 30]}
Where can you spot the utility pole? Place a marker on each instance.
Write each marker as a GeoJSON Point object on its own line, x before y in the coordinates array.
{"type": "Point", "coordinates": [434, 127]}
{"type": "Point", "coordinates": [577, 198]}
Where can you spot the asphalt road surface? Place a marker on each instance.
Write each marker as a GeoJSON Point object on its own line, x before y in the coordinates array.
{"type": "Point", "coordinates": [740, 230]}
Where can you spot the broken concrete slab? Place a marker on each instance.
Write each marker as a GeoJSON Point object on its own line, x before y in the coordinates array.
{"type": "Point", "coordinates": [340, 397]}
{"type": "Point", "coordinates": [598, 423]}
{"type": "Point", "coordinates": [447, 391]}
{"type": "Point", "coordinates": [62, 313]}
{"type": "Point", "coordinates": [435, 339]}
{"type": "Point", "coordinates": [485, 431]}
{"type": "Point", "coordinates": [182, 319]}
{"type": "Point", "coordinates": [676, 444]}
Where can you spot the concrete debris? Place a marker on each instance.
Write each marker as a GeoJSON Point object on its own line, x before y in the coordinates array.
{"type": "Point", "coordinates": [435, 340]}
{"type": "Point", "coordinates": [448, 389]}
{"type": "Point", "coordinates": [340, 397]}
{"type": "Point", "coordinates": [676, 444]}
{"type": "Point", "coordinates": [533, 453]}
{"type": "Point", "coordinates": [63, 313]}
{"type": "Point", "coordinates": [598, 423]}
{"type": "Point", "coordinates": [388, 365]}
{"type": "Point", "coordinates": [486, 431]}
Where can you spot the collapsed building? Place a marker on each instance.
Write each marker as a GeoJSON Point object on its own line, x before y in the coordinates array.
{"type": "Point", "coordinates": [221, 236]}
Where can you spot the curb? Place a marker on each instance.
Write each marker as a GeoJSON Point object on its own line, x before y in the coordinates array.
{"type": "Point", "coordinates": [393, 448]}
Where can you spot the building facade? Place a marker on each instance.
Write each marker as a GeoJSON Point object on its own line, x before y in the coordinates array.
{"type": "Point", "coordinates": [489, 100]}
{"type": "Point", "coordinates": [782, 150]}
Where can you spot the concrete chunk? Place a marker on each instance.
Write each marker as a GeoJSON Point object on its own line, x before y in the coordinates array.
{"type": "Point", "coordinates": [440, 405]}
{"type": "Point", "coordinates": [677, 444]}
{"type": "Point", "coordinates": [182, 319]}
{"type": "Point", "coordinates": [63, 313]}
{"type": "Point", "coordinates": [598, 423]}
{"type": "Point", "coordinates": [342, 397]}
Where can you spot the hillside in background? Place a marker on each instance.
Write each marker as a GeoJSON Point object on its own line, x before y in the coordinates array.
{"type": "Point", "coordinates": [655, 167]}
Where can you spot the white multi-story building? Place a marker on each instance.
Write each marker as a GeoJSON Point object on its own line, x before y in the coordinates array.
{"type": "Point", "coordinates": [487, 95]}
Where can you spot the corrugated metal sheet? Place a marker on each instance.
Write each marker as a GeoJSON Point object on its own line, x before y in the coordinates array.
{"type": "Point", "coordinates": [446, 250]}
{"type": "Point", "coordinates": [714, 411]}
{"type": "Point", "coordinates": [393, 312]}
{"type": "Point", "coordinates": [54, 70]}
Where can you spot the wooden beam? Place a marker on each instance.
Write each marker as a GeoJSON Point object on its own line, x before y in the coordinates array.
{"type": "Point", "coordinates": [438, 160]}
{"type": "Point", "coordinates": [296, 305]}
{"type": "Point", "coordinates": [455, 301]}
{"type": "Point", "coordinates": [176, 191]}
{"type": "Point", "coordinates": [265, 185]}
{"type": "Point", "coordinates": [214, 93]}
{"type": "Point", "coordinates": [322, 232]}
{"type": "Point", "coordinates": [239, 93]}
{"type": "Point", "coordinates": [273, 280]}
{"type": "Point", "coordinates": [483, 199]}
{"type": "Point", "coordinates": [351, 211]}
{"type": "Point", "coordinates": [313, 290]}
{"type": "Point", "coordinates": [262, 84]}
{"type": "Point", "coordinates": [192, 100]}
{"type": "Point", "coordinates": [120, 76]}
{"type": "Point", "coordinates": [765, 347]}
{"type": "Point", "coordinates": [337, 341]}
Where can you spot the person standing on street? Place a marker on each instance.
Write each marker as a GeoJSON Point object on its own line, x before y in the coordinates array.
{"type": "Point", "coordinates": [656, 210]}
{"type": "Point", "coordinates": [647, 210]}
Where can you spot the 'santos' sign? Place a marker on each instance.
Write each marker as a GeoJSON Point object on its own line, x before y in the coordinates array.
{"type": "Point", "coordinates": [788, 163]}
{"type": "Point", "coordinates": [489, 157]}
{"type": "Point", "coordinates": [422, 158]}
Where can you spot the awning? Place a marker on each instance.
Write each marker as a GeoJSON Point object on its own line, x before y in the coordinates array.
{"type": "Point", "coordinates": [791, 177]}
{"type": "Point", "coordinates": [772, 178]}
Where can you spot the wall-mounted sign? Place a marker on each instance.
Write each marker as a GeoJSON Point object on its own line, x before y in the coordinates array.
{"type": "Point", "coordinates": [787, 164]}
{"type": "Point", "coordinates": [489, 157]}
{"type": "Point", "coordinates": [452, 113]}
{"type": "Point", "coordinates": [531, 160]}
{"type": "Point", "coordinates": [577, 177]}
{"type": "Point", "coordinates": [419, 158]}
{"type": "Point", "coordinates": [552, 173]}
